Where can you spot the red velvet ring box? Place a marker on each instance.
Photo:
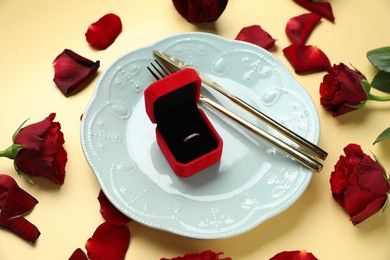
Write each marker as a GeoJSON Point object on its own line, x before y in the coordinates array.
{"type": "Point", "coordinates": [184, 134]}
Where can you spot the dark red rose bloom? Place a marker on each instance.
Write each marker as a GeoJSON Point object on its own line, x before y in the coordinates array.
{"type": "Point", "coordinates": [72, 71]}
{"type": "Point", "coordinates": [102, 33]}
{"type": "Point", "coordinates": [299, 27]}
{"type": "Point", "coordinates": [42, 153]}
{"type": "Point", "coordinates": [322, 8]}
{"type": "Point", "coordinates": [359, 184]}
{"type": "Point", "coordinates": [78, 254]}
{"type": "Point", "coordinates": [200, 11]}
{"type": "Point", "coordinates": [294, 255]}
{"type": "Point", "coordinates": [14, 203]}
{"type": "Point", "coordinates": [341, 89]}
{"type": "Point", "coordinates": [109, 212]}
{"type": "Point", "coordinates": [205, 255]}
{"type": "Point", "coordinates": [108, 242]}
{"type": "Point", "coordinates": [256, 35]}
{"type": "Point", "coordinates": [306, 58]}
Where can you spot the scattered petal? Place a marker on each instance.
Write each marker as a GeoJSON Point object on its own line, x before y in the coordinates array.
{"type": "Point", "coordinates": [102, 33]}
{"type": "Point", "coordinates": [108, 242]}
{"type": "Point", "coordinates": [72, 71]}
{"type": "Point", "coordinates": [256, 35]}
{"type": "Point", "coordinates": [109, 212]}
{"type": "Point", "coordinates": [306, 58]}
{"type": "Point", "coordinates": [205, 255]}
{"type": "Point", "coordinates": [322, 8]}
{"type": "Point", "coordinates": [78, 254]}
{"type": "Point", "coordinates": [200, 11]}
{"type": "Point", "coordinates": [299, 27]}
{"type": "Point", "coordinates": [14, 203]}
{"type": "Point", "coordinates": [294, 255]}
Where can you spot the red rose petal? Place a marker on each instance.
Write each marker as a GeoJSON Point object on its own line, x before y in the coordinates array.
{"type": "Point", "coordinates": [108, 242]}
{"type": "Point", "coordinates": [294, 255]}
{"type": "Point", "coordinates": [322, 8]}
{"type": "Point", "coordinates": [256, 35]}
{"type": "Point", "coordinates": [72, 71]}
{"type": "Point", "coordinates": [102, 33]}
{"type": "Point", "coordinates": [299, 27]}
{"type": "Point", "coordinates": [14, 202]}
{"type": "Point", "coordinates": [205, 255]}
{"type": "Point", "coordinates": [371, 209]}
{"type": "Point", "coordinates": [109, 212]}
{"type": "Point", "coordinates": [306, 58]}
{"type": "Point", "coordinates": [78, 254]}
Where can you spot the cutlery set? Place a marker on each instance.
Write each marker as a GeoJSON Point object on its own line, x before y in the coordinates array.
{"type": "Point", "coordinates": [166, 65]}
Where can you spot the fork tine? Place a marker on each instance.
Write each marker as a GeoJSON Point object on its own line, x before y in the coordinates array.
{"type": "Point", "coordinates": [158, 71]}
{"type": "Point", "coordinates": [152, 72]}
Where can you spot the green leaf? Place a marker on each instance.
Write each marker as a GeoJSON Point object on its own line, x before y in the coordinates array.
{"type": "Point", "coordinates": [366, 86]}
{"type": "Point", "coordinates": [384, 206]}
{"type": "Point", "coordinates": [379, 162]}
{"type": "Point", "coordinates": [383, 136]}
{"type": "Point", "coordinates": [18, 130]}
{"type": "Point", "coordinates": [380, 58]}
{"type": "Point", "coordinates": [381, 81]}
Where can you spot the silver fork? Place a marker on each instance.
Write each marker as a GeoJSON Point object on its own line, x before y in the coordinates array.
{"type": "Point", "coordinates": [159, 71]}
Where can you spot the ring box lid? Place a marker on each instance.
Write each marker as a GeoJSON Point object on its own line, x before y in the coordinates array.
{"type": "Point", "coordinates": [173, 97]}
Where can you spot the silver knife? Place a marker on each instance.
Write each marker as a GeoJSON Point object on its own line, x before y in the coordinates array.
{"type": "Point", "coordinates": [178, 64]}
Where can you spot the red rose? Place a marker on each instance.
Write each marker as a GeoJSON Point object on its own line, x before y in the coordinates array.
{"type": "Point", "coordinates": [359, 184]}
{"type": "Point", "coordinates": [14, 203]}
{"type": "Point", "coordinates": [341, 90]}
{"type": "Point", "coordinates": [200, 11]}
{"type": "Point", "coordinates": [42, 153]}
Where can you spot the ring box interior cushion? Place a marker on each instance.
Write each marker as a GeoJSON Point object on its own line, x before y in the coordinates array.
{"type": "Point", "coordinates": [184, 134]}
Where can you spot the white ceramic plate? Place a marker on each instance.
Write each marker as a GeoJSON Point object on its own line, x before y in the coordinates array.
{"type": "Point", "coordinates": [252, 183]}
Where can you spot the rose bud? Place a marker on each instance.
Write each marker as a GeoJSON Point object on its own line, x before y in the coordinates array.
{"type": "Point", "coordinates": [14, 203]}
{"type": "Point", "coordinates": [200, 11]}
{"type": "Point", "coordinates": [38, 151]}
{"type": "Point", "coordinates": [341, 90]}
{"type": "Point", "coordinates": [359, 184]}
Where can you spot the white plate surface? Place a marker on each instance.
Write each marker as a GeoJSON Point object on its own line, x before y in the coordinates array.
{"type": "Point", "coordinates": [253, 181]}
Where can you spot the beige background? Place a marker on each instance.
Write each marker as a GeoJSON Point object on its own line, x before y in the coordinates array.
{"type": "Point", "coordinates": [33, 33]}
